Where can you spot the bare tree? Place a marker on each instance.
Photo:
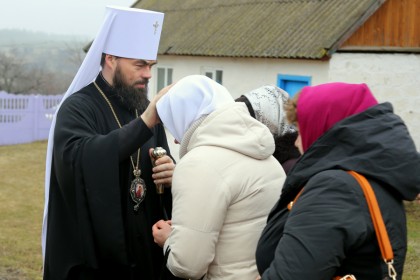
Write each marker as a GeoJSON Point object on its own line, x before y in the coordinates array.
{"type": "Point", "coordinates": [32, 81]}
{"type": "Point", "coordinates": [37, 63]}
{"type": "Point", "coordinates": [75, 53]}
{"type": "Point", "coordinates": [11, 70]}
{"type": "Point", "coordinates": [19, 76]}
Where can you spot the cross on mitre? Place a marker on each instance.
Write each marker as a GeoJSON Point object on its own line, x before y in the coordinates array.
{"type": "Point", "coordinates": [156, 25]}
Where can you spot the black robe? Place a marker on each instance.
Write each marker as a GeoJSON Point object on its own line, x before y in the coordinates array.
{"type": "Point", "coordinates": [93, 231]}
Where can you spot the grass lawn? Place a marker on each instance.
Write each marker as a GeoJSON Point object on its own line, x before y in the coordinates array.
{"type": "Point", "coordinates": [412, 263]}
{"type": "Point", "coordinates": [22, 169]}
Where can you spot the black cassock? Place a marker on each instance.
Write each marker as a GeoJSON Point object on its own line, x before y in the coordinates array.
{"type": "Point", "coordinates": [93, 231]}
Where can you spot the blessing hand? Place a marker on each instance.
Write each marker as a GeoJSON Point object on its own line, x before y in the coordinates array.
{"type": "Point", "coordinates": [150, 115]}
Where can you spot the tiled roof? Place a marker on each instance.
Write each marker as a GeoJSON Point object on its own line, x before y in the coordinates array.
{"type": "Point", "coordinates": [258, 28]}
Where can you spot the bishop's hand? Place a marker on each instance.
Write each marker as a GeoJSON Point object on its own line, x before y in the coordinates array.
{"type": "Point", "coordinates": [150, 115]}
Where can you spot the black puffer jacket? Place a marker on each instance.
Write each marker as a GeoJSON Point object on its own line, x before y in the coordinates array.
{"type": "Point", "coordinates": [329, 231]}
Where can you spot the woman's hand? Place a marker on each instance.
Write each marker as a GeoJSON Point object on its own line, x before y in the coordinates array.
{"type": "Point", "coordinates": [161, 231]}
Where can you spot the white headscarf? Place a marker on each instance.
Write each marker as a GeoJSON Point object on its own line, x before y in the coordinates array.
{"type": "Point", "coordinates": [189, 99]}
{"type": "Point", "coordinates": [268, 105]}
{"type": "Point", "coordinates": [125, 32]}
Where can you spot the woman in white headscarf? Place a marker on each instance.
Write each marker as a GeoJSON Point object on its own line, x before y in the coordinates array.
{"type": "Point", "coordinates": [223, 187]}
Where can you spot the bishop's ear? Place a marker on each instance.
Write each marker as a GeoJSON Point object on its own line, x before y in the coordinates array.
{"type": "Point", "coordinates": [110, 61]}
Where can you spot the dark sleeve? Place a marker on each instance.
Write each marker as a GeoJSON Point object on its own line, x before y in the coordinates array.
{"type": "Point", "coordinates": [325, 221]}
{"type": "Point", "coordinates": [79, 122]}
{"type": "Point", "coordinates": [87, 158]}
{"type": "Point", "coordinates": [133, 135]}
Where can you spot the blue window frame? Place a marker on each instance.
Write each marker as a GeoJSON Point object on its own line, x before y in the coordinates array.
{"type": "Point", "coordinates": [293, 83]}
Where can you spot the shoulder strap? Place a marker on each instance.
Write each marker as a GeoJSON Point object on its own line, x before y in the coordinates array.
{"type": "Point", "coordinates": [291, 203]}
{"type": "Point", "coordinates": [378, 223]}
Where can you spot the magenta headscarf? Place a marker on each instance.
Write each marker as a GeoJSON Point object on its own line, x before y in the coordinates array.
{"type": "Point", "coordinates": [321, 107]}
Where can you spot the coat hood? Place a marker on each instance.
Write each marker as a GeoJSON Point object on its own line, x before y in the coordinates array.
{"type": "Point", "coordinates": [375, 143]}
{"type": "Point", "coordinates": [233, 128]}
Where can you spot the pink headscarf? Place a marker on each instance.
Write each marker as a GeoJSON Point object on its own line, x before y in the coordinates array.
{"type": "Point", "coordinates": [321, 107]}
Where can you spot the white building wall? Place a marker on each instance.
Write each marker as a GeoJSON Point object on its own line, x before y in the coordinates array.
{"type": "Point", "coordinates": [391, 77]}
{"type": "Point", "coordinates": [240, 75]}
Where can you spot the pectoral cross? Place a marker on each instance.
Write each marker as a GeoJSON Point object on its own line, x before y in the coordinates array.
{"type": "Point", "coordinates": [156, 25]}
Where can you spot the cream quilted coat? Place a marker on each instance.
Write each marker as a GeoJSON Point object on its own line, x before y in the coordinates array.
{"type": "Point", "coordinates": [223, 189]}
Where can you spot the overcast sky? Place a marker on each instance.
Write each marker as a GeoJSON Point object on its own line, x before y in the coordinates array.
{"type": "Point", "coordinates": [66, 17]}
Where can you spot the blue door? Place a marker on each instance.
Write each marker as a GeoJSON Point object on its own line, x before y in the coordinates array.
{"type": "Point", "coordinates": [292, 84]}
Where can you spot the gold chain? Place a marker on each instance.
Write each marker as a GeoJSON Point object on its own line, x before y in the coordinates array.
{"type": "Point", "coordinates": [135, 167]}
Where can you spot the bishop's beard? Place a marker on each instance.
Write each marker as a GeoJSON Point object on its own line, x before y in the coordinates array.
{"type": "Point", "coordinates": [131, 97]}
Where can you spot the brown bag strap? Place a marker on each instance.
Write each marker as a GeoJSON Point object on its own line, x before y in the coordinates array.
{"type": "Point", "coordinates": [378, 224]}
{"type": "Point", "coordinates": [375, 213]}
{"type": "Point", "coordinates": [291, 203]}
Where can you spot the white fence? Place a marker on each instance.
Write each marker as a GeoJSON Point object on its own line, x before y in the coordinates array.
{"type": "Point", "coordinates": [26, 118]}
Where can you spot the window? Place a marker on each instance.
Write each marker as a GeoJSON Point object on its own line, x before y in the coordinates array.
{"type": "Point", "coordinates": [293, 84]}
{"type": "Point", "coordinates": [214, 74]}
{"type": "Point", "coordinates": [164, 77]}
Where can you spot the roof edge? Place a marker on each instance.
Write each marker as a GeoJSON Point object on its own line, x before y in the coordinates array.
{"type": "Point", "coordinates": [346, 35]}
{"type": "Point", "coordinates": [246, 57]}
{"type": "Point", "coordinates": [381, 49]}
